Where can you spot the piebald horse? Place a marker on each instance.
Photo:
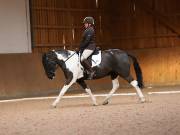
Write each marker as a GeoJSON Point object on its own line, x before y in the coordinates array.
{"type": "Point", "coordinates": [114, 63]}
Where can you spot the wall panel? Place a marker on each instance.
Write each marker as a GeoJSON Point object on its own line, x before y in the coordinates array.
{"type": "Point", "coordinates": [135, 28]}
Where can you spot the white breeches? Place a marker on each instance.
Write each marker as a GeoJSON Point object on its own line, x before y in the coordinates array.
{"type": "Point", "coordinates": [86, 53]}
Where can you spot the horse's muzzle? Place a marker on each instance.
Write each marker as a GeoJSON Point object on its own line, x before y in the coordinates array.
{"type": "Point", "coordinates": [51, 75]}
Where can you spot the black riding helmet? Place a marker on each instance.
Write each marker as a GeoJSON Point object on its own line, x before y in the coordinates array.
{"type": "Point", "coordinates": [89, 20]}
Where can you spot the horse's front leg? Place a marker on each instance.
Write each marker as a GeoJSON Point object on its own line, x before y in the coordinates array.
{"type": "Point", "coordinates": [82, 83]}
{"type": "Point", "coordinates": [62, 92]}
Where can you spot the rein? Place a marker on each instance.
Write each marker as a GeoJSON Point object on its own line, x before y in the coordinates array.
{"type": "Point", "coordinates": [75, 53]}
{"type": "Point", "coordinates": [69, 57]}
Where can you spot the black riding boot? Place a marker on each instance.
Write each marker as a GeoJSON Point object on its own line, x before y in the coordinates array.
{"type": "Point", "coordinates": [87, 66]}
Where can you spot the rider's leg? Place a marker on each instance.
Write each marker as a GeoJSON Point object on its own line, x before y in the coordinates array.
{"type": "Point", "coordinates": [86, 53]}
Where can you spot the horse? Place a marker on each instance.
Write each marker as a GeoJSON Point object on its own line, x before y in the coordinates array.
{"type": "Point", "coordinates": [114, 63]}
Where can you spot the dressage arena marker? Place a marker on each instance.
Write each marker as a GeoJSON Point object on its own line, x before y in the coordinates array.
{"type": "Point", "coordinates": [85, 96]}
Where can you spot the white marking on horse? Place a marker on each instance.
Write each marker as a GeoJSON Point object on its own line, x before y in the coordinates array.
{"type": "Point", "coordinates": [138, 90]}
{"type": "Point", "coordinates": [91, 95]}
{"type": "Point", "coordinates": [60, 56]}
{"type": "Point", "coordinates": [62, 92]}
{"type": "Point", "coordinates": [73, 64]}
{"type": "Point", "coordinates": [115, 84]}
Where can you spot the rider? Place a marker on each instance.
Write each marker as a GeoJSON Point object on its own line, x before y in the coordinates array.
{"type": "Point", "coordinates": [87, 45]}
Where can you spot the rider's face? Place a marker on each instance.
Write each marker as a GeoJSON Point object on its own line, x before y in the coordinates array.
{"type": "Point", "coordinates": [86, 25]}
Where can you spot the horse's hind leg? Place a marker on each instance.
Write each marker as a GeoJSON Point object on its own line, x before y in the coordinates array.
{"type": "Point", "coordinates": [134, 83]}
{"type": "Point", "coordinates": [115, 84]}
{"type": "Point", "coordinates": [88, 90]}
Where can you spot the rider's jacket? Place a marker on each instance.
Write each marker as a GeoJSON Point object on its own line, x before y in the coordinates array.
{"type": "Point", "coordinates": [88, 39]}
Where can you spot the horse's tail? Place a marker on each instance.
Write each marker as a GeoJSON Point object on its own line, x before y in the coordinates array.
{"type": "Point", "coordinates": [138, 71]}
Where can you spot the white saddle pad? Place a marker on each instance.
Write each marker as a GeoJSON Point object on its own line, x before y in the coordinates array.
{"type": "Point", "coordinates": [96, 59]}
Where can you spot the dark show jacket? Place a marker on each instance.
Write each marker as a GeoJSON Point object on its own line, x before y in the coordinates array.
{"type": "Point", "coordinates": [88, 39]}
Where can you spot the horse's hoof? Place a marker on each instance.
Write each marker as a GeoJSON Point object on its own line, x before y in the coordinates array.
{"type": "Point", "coordinates": [95, 104]}
{"type": "Point", "coordinates": [54, 105]}
{"type": "Point", "coordinates": [143, 100]}
{"type": "Point", "coordinates": [105, 103]}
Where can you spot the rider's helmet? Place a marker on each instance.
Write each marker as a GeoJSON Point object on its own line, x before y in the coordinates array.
{"type": "Point", "coordinates": [89, 20]}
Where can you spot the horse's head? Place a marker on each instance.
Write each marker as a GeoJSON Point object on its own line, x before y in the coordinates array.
{"type": "Point", "coordinates": [49, 61]}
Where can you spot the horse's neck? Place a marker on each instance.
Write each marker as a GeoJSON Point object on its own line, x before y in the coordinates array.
{"type": "Point", "coordinates": [70, 51]}
{"type": "Point", "coordinates": [71, 59]}
{"type": "Point", "coordinates": [71, 64]}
